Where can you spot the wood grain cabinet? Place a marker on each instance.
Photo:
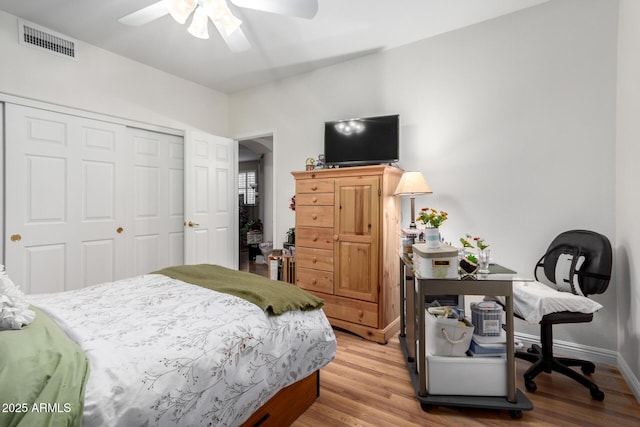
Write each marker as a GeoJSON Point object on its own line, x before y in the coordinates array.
{"type": "Point", "coordinates": [347, 238]}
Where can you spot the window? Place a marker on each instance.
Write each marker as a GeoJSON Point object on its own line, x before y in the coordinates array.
{"type": "Point", "coordinates": [247, 185]}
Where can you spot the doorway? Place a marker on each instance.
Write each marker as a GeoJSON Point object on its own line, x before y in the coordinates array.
{"type": "Point", "coordinates": [255, 201]}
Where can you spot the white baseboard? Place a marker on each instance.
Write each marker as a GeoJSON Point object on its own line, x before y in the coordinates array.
{"type": "Point", "coordinates": [632, 381]}
{"type": "Point", "coordinates": [593, 354]}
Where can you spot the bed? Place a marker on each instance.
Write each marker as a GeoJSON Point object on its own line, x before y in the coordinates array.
{"type": "Point", "coordinates": [188, 346]}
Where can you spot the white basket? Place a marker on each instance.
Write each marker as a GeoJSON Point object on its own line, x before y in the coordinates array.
{"type": "Point", "coordinates": [446, 337]}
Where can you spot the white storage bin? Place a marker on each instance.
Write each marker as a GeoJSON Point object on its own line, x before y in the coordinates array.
{"type": "Point", "coordinates": [440, 263]}
{"type": "Point", "coordinates": [467, 376]}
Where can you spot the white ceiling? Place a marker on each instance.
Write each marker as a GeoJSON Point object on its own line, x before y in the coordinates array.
{"type": "Point", "coordinates": [281, 46]}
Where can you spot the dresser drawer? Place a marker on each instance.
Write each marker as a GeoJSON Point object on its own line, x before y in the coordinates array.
{"type": "Point", "coordinates": [314, 216]}
{"type": "Point", "coordinates": [314, 186]}
{"type": "Point", "coordinates": [354, 311]}
{"type": "Point", "coordinates": [312, 199]}
{"type": "Point", "coordinates": [314, 280]}
{"type": "Point", "coordinates": [314, 237]}
{"type": "Point", "coordinates": [318, 259]}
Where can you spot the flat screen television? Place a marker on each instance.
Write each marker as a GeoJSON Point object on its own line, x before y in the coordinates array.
{"type": "Point", "coordinates": [362, 141]}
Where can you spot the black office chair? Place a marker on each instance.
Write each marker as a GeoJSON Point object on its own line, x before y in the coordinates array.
{"type": "Point", "coordinates": [586, 276]}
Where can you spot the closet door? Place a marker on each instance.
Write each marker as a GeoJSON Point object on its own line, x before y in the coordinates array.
{"type": "Point", "coordinates": [66, 220]}
{"type": "Point", "coordinates": [158, 200]}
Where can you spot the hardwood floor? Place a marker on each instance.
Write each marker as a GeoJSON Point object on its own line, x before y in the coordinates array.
{"type": "Point", "coordinates": [368, 385]}
{"type": "Point", "coordinates": [245, 264]}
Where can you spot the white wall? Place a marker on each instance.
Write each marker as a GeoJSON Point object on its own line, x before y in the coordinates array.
{"type": "Point", "coordinates": [109, 84]}
{"type": "Point", "coordinates": [512, 122]}
{"type": "Point", "coordinates": [627, 177]}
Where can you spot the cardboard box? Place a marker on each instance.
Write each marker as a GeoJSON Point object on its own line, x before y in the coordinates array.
{"type": "Point", "coordinates": [440, 263]}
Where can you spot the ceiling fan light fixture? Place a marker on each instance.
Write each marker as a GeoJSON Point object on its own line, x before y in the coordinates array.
{"type": "Point", "coordinates": [181, 9]}
{"type": "Point", "coordinates": [230, 23]}
{"type": "Point", "coordinates": [219, 12]}
{"type": "Point", "coordinates": [199, 24]}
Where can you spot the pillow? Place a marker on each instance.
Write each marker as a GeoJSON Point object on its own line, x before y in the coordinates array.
{"type": "Point", "coordinates": [532, 300]}
{"type": "Point", "coordinates": [14, 308]}
{"type": "Point", "coordinates": [566, 277]}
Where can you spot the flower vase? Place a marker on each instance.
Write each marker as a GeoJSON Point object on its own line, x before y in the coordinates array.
{"type": "Point", "coordinates": [432, 237]}
{"type": "Point", "coordinates": [468, 267]}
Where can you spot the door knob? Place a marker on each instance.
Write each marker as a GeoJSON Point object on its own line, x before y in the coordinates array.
{"type": "Point", "coordinates": [191, 224]}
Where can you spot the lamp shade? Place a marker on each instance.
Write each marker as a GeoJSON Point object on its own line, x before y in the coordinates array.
{"type": "Point", "coordinates": [219, 12]}
{"type": "Point", "coordinates": [199, 23]}
{"type": "Point", "coordinates": [412, 184]}
{"type": "Point", "coordinates": [181, 9]}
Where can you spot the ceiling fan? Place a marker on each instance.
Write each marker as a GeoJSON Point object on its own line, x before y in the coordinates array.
{"type": "Point", "coordinates": [219, 13]}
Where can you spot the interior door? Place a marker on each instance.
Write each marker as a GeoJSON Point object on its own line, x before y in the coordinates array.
{"type": "Point", "coordinates": [66, 219]}
{"type": "Point", "coordinates": [356, 225]}
{"type": "Point", "coordinates": [158, 202]}
{"type": "Point", "coordinates": [210, 200]}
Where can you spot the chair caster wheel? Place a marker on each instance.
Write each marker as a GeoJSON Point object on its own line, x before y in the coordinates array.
{"type": "Point", "coordinates": [596, 394]}
{"type": "Point", "coordinates": [530, 385]}
{"type": "Point", "coordinates": [515, 413]}
{"type": "Point", "coordinates": [588, 370]}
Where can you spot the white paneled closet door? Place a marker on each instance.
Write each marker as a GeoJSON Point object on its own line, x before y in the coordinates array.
{"type": "Point", "coordinates": [158, 188]}
{"type": "Point", "coordinates": [67, 213]}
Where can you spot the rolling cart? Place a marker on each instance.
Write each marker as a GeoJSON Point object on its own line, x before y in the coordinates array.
{"type": "Point", "coordinates": [413, 291]}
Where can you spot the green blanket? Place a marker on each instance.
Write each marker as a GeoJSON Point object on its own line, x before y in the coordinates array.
{"type": "Point", "coordinates": [270, 295]}
{"type": "Point", "coordinates": [42, 376]}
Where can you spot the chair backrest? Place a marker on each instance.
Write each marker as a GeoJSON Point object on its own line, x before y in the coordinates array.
{"type": "Point", "coordinates": [594, 273]}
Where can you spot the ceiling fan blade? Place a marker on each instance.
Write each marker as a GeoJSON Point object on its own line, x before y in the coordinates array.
{"type": "Point", "coordinates": [145, 15]}
{"type": "Point", "coordinates": [236, 41]}
{"type": "Point", "coordinates": [300, 8]}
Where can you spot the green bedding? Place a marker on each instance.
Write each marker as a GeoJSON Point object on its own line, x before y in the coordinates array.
{"type": "Point", "coordinates": [272, 296]}
{"type": "Point", "coordinates": [42, 376]}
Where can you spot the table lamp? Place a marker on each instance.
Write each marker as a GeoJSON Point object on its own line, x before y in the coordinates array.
{"type": "Point", "coordinates": [412, 184]}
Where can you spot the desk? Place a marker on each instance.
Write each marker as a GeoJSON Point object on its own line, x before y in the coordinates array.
{"type": "Point", "coordinates": [484, 284]}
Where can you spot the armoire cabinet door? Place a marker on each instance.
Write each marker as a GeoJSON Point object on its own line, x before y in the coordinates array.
{"type": "Point", "coordinates": [356, 228]}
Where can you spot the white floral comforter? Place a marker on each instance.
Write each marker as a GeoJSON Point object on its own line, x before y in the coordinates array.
{"type": "Point", "coordinates": [165, 353]}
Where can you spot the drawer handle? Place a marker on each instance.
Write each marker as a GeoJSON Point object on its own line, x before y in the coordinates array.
{"type": "Point", "coordinates": [314, 216]}
{"type": "Point", "coordinates": [314, 199]}
{"type": "Point", "coordinates": [314, 187]}
{"type": "Point", "coordinates": [314, 281]}
{"type": "Point", "coordinates": [315, 238]}
{"type": "Point", "coordinates": [314, 260]}
{"type": "Point", "coordinates": [336, 237]}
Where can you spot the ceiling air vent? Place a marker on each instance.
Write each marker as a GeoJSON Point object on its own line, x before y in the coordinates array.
{"type": "Point", "coordinates": [44, 39]}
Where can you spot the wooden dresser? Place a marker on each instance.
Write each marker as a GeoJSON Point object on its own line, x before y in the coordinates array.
{"type": "Point", "coordinates": [347, 241]}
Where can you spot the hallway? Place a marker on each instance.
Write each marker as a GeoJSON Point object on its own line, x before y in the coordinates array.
{"type": "Point", "coordinates": [246, 265]}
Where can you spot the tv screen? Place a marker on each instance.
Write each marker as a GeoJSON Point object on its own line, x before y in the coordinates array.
{"type": "Point", "coordinates": [362, 141]}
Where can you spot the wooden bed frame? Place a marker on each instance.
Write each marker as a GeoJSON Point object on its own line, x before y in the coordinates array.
{"type": "Point", "coordinates": [288, 404]}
